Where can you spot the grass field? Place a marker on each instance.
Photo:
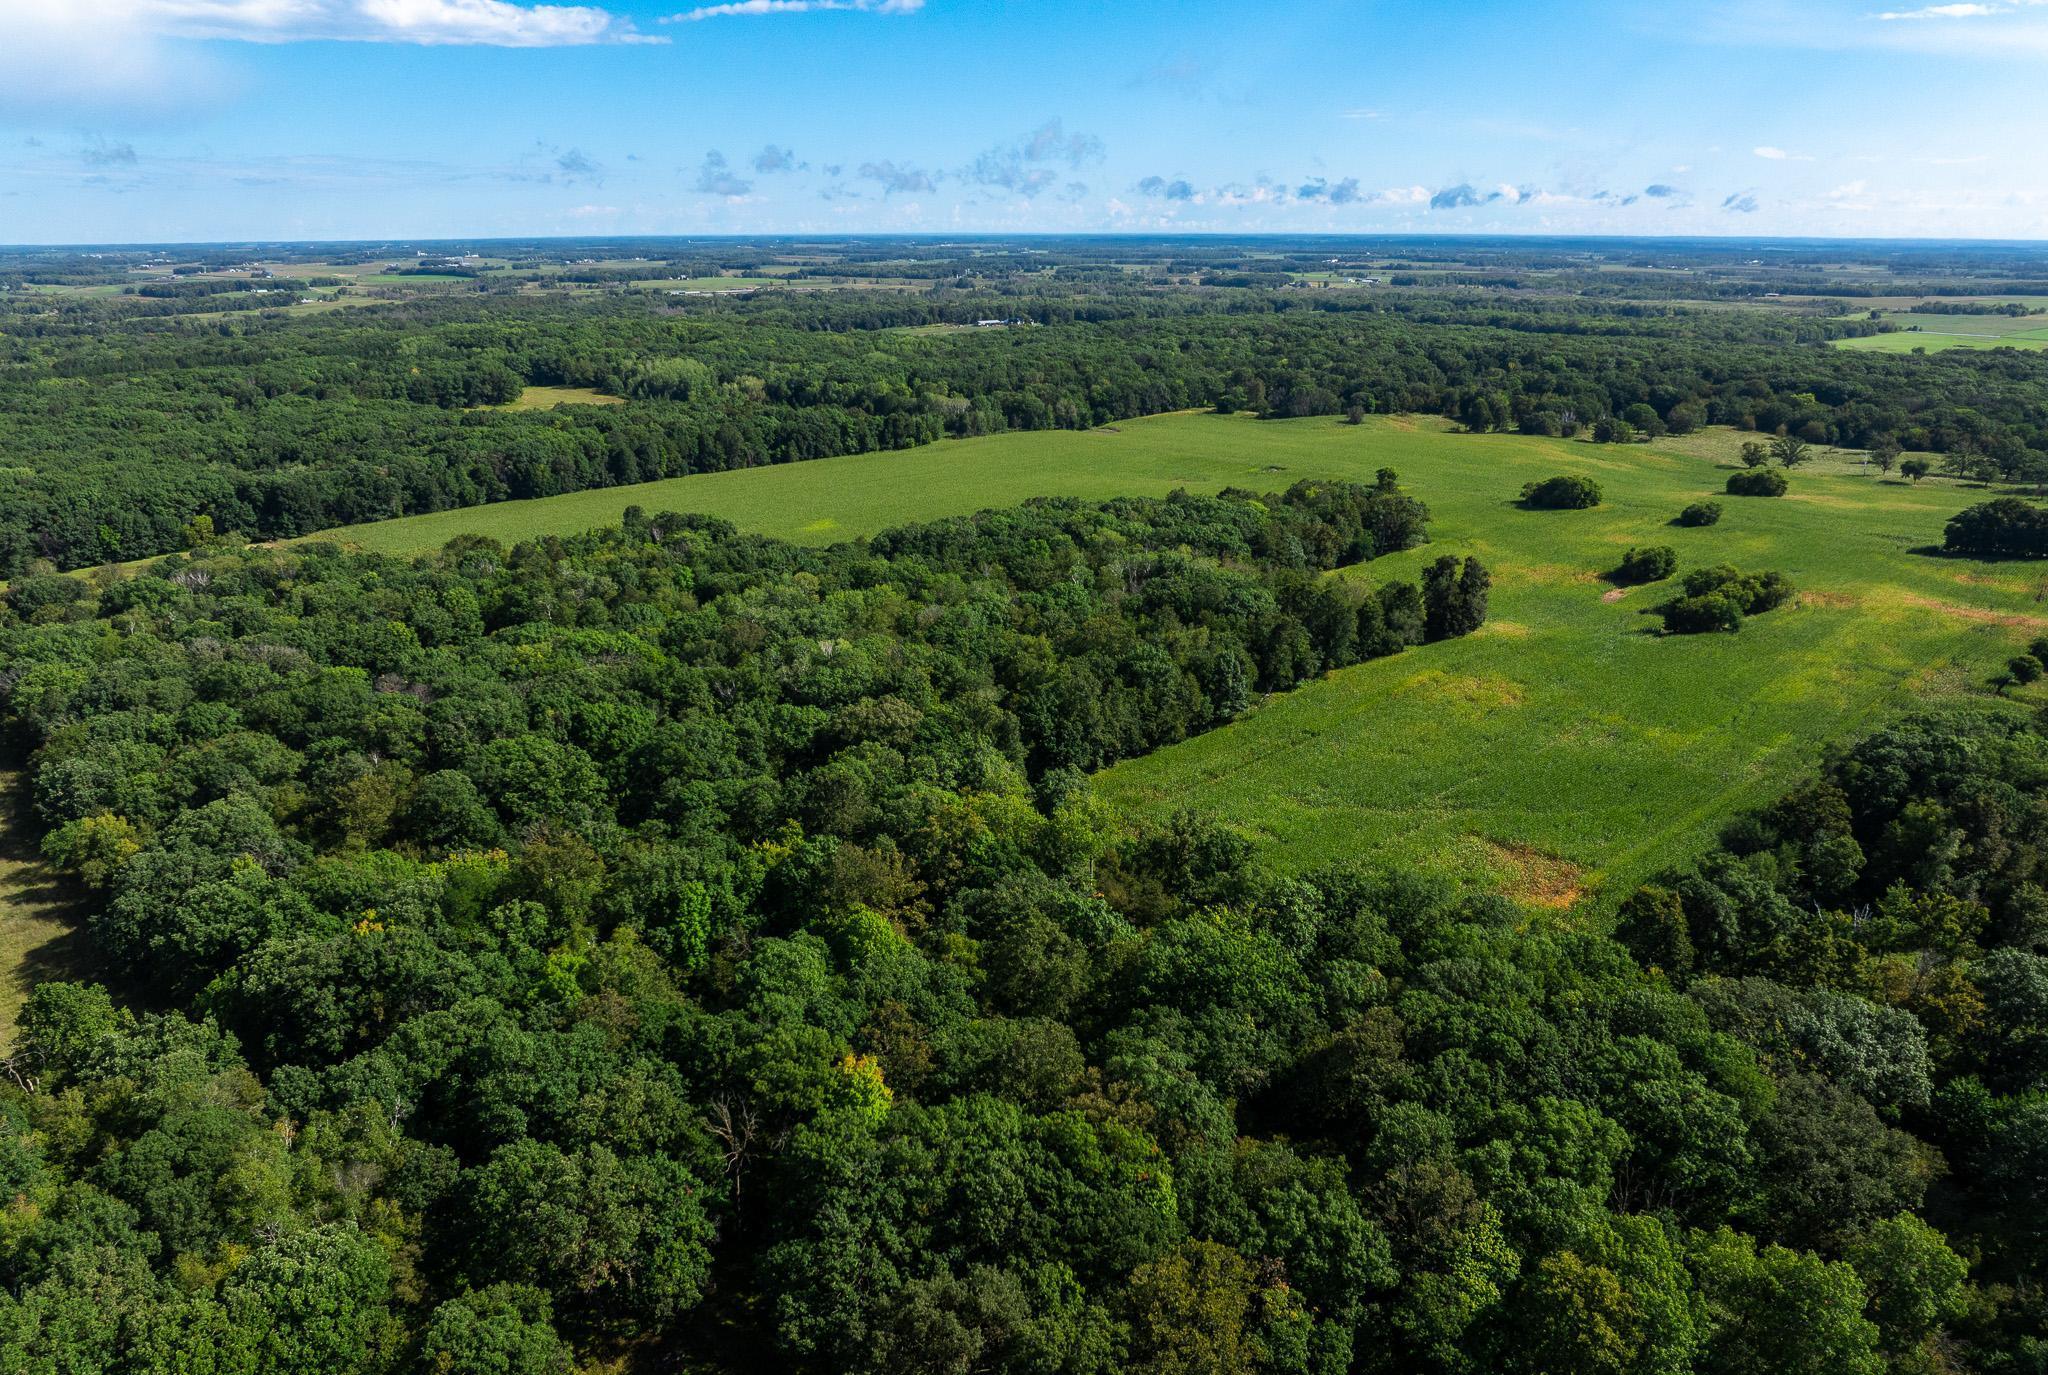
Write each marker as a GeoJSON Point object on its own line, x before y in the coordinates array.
{"type": "Point", "coordinates": [1563, 751]}
{"type": "Point", "coordinates": [38, 935]}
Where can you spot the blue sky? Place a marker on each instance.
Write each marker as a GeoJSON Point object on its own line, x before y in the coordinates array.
{"type": "Point", "coordinates": [178, 120]}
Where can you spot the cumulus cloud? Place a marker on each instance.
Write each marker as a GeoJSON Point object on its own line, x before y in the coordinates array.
{"type": "Point", "coordinates": [1771, 154]}
{"type": "Point", "coordinates": [1464, 196]}
{"type": "Point", "coordinates": [1050, 142]}
{"type": "Point", "coordinates": [575, 163]}
{"type": "Point", "coordinates": [894, 179]}
{"type": "Point", "coordinates": [1159, 188]}
{"type": "Point", "coordinates": [716, 177]}
{"type": "Point", "coordinates": [1345, 192]}
{"type": "Point", "coordinates": [772, 159]}
{"type": "Point", "coordinates": [99, 153]}
{"type": "Point", "coordinates": [752, 7]}
{"type": "Point", "coordinates": [1029, 165]}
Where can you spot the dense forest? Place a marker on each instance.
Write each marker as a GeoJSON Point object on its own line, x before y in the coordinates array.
{"type": "Point", "coordinates": [687, 948]}
{"type": "Point", "coordinates": [673, 949]}
{"type": "Point", "coordinates": [121, 430]}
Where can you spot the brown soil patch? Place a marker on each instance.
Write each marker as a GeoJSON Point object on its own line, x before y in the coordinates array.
{"type": "Point", "coordinates": [1536, 878]}
{"type": "Point", "coordinates": [1616, 594]}
{"type": "Point", "coordinates": [1974, 613]}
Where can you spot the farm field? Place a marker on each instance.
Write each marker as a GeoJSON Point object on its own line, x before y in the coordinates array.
{"type": "Point", "coordinates": [1563, 752]}
{"type": "Point", "coordinates": [705, 283]}
{"type": "Point", "coordinates": [1936, 332]}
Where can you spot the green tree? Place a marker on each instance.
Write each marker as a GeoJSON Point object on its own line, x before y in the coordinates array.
{"type": "Point", "coordinates": [1771, 1311]}
{"type": "Point", "coordinates": [1914, 1280]}
{"type": "Point", "coordinates": [315, 1303]}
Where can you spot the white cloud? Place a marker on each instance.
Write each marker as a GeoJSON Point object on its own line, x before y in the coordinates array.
{"type": "Point", "coordinates": [494, 23]}
{"type": "Point", "coordinates": [1984, 28]}
{"type": "Point", "coordinates": [749, 7]}
{"type": "Point", "coordinates": [1780, 155]}
{"type": "Point", "coordinates": [1946, 12]}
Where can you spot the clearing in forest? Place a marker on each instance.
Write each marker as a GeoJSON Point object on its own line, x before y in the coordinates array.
{"type": "Point", "coordinates": [39, 935]}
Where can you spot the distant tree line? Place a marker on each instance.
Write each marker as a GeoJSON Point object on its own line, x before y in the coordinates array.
{"type": "Point", "coordinates": [119, 435]}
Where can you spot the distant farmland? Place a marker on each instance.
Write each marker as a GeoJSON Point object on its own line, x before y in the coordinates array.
{"type": "Point", "coordinates": [1937, 332]}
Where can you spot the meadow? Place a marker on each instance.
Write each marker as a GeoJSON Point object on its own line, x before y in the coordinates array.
{"type": "Point", "coordinates": [539, 398]}
{"type": "Point", "coordinates": [1567, 750]}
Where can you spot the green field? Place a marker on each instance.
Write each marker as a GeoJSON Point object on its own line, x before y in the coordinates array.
{"type": "Point", "coordinates": [1563, 749]}
{"type": "Point", "coordinates": [1935, 333]}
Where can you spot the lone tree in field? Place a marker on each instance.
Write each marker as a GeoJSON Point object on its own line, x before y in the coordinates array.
{"type": "Point", "coordinates": [1755, 455]}
{"type": "Point", "coordinates": [1916, 468]}
{"type": "Point", "coordinates": [1700, 513]}
{"type": "Point", "coordinates": [1791, 450]}
{"type": "Point", "coordinates": [1885, 454]}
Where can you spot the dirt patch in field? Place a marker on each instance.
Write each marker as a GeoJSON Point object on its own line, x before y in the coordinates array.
{"type": "Point", "coordinates": [1536, 878]}
{"type": "Point", "coordinates": [1981, 615]}
{"type": "Point", "coordinates": [1615, 594]}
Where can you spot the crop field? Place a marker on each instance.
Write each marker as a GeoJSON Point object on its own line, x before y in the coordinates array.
{"type": "Point", "coordinates": [1937, 332]}
{"type": "Point", "coordinates": [1566, 750]}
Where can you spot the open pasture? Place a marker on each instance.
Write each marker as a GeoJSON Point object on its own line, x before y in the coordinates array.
{"type": "Point", "coordinates": [1563, 752]}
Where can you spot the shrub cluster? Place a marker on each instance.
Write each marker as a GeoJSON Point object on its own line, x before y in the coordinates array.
{"type": "Point", "coordinates": [1757, 482]}
{"type": "Point", "coordinates": [2006, 528]}
{"type": "Point", "coordinates": [1561, 494]}
{"type": "Point", "coordinates": [1653, 564]}
{"type": "Point", "coordinates": [1719, 598]}
{"type": "Point", "coordinates": [1700, 513]}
